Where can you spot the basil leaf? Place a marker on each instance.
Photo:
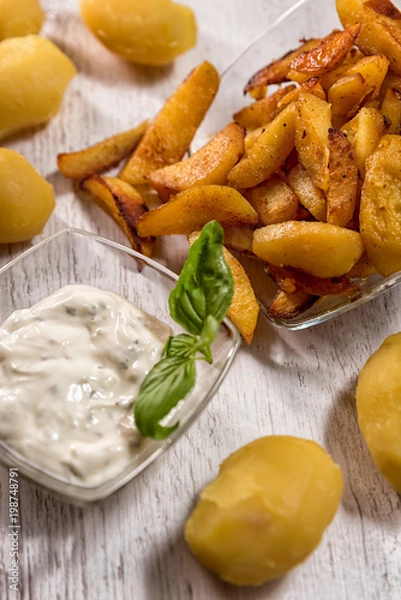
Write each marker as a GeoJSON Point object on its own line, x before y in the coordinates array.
{"type": "Point", "coordinates": [205, 286]}
{"type": "Point", "coordinates": [199, 303]}
{"type": "Point", "coordinates": [180, 345]}
{"type": "Point", "coordinates": [165, 385]}
{"type": "Point", "coordinates": [207, 336]}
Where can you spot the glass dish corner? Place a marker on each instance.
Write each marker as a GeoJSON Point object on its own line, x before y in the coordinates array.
{"type": "Point", "coordinates": [73, 256]}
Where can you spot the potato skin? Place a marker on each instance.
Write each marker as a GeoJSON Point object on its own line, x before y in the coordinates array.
{"type": "Point", "coordinates": [266, 511]}
{"type": "Point", "coordinates": [378, 401]}
{"type": "Point", "coordinates": [26, 199]}
{"type": "Point", "coordinates": [34, 75]}
{"type": "Point", "coordinates": [149, 32]}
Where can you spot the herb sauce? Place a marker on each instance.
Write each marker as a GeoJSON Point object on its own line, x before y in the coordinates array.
{"type": "Point", "coordinates": [70, 369]}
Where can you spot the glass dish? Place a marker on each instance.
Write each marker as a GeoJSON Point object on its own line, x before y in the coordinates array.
{"type": "Point", "coordinates": [72, 256]}
{"type": "Point", "coordinates": [305, 19]}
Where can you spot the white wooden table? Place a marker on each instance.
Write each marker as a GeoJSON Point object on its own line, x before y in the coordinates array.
{"type": "Point", "coordinates": [300, 383]}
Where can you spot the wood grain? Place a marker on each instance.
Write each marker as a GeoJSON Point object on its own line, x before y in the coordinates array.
{"type": "Point", "coordinates": [301, 383]}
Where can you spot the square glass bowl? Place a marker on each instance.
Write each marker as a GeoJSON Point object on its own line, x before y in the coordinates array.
{"type": "Point", "coordinates": [72, 256]}
{"type": "Point", "coordinates": [305, 19]}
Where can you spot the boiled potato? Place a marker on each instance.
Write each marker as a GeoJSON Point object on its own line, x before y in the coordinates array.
{"type": "Point", "coordinates": [321, 249]}
{"type": "Point", "coordinates": [148, 32]}
{"type": "Point", "coordinates": [266, 511]}
{"type": "Point", "coordinates": [26, 199]}
{"type": "Point", "coordinates": [378, 398]}
{"type": "Point", "coordinates": [20, 18]}
{"type": "Point", "coordinates": [34, 75]}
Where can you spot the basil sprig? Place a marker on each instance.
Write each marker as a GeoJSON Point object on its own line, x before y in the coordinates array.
{"type": "Point", "coordinates": [199, 303]}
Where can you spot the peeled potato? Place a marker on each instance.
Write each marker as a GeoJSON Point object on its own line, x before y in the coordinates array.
{"type": "Point", "coordinates": [34, 75]}
{"type": "Point", "coordinates": [20, 18]}
{"type": "Point", "coordinates": [266, 511]}
{"type": "Point", "coordinates": [26, 199]}
{"type": "Point", "coordinates": [148, 32]}
{"type": "Point", "coordinates": [378, 398]}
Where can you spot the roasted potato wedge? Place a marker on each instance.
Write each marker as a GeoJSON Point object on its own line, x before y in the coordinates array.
{"type": "Point", "coordinates": [287, 306]}
{"type": "Point", "coordinates": [251, 138]}
{"type": "Point", "coordinates": [364, 132]}
{"type": "Point", "coordinates": [277, 70]}
{"type": "Point", "coordinates": [327, 55]}
{"type": "Point", "coordinates": [101, 156]}
{"type": "Point", "coordinates": [123, 203]}
{"type": "Point", "coordinates": [362, 269]}
{"type": "Point", "coordinates": [291, 281]}
{"type": "Point", "coordinates": [311, 86]}
{"type": "Point", "coordinates": [268, 152]}
{"type": "Point", "coordinates": [343, 184]}
{"type": "Point", "coordinates": [345, 97]}
{"type": "Point", "coordinates": [320, 249]}
{"type": "Point", "coordinates": [194, 207]}
{"type": "Point", "coordinates": [309, 195]}
{"type": "Point", "coordinates": [373, 70]}
{"type": "Point", "coordinates": [208, 166]}
{"type": "Point", "coordinates": [169, 135]}
{"type": "Point", "coordinates": [273, 200]}
{"type": "Point", "coordinates": [391, 110]}
{"type": "Point", "coordinates": [312, 137]}
{"type": "Point", "coordinates": [380, 24]}
{"type": "Point", "coordinates": [244, 308]}
{"type": "Point", "coordinates": [239, 239]}
{"type": "Point", "coordinates": [380, 218]}
{"type": "Point", "coordinates": [330, 77]}
{"type": "Point", "coordinates": [261, 111]}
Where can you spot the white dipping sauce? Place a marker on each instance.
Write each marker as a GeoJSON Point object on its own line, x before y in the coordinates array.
{"type": "Point", "coordinates": [70, 369]}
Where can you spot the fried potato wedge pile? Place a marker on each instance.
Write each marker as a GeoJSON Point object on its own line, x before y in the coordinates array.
{"type": "Point", "coordinates": [305, 178]}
